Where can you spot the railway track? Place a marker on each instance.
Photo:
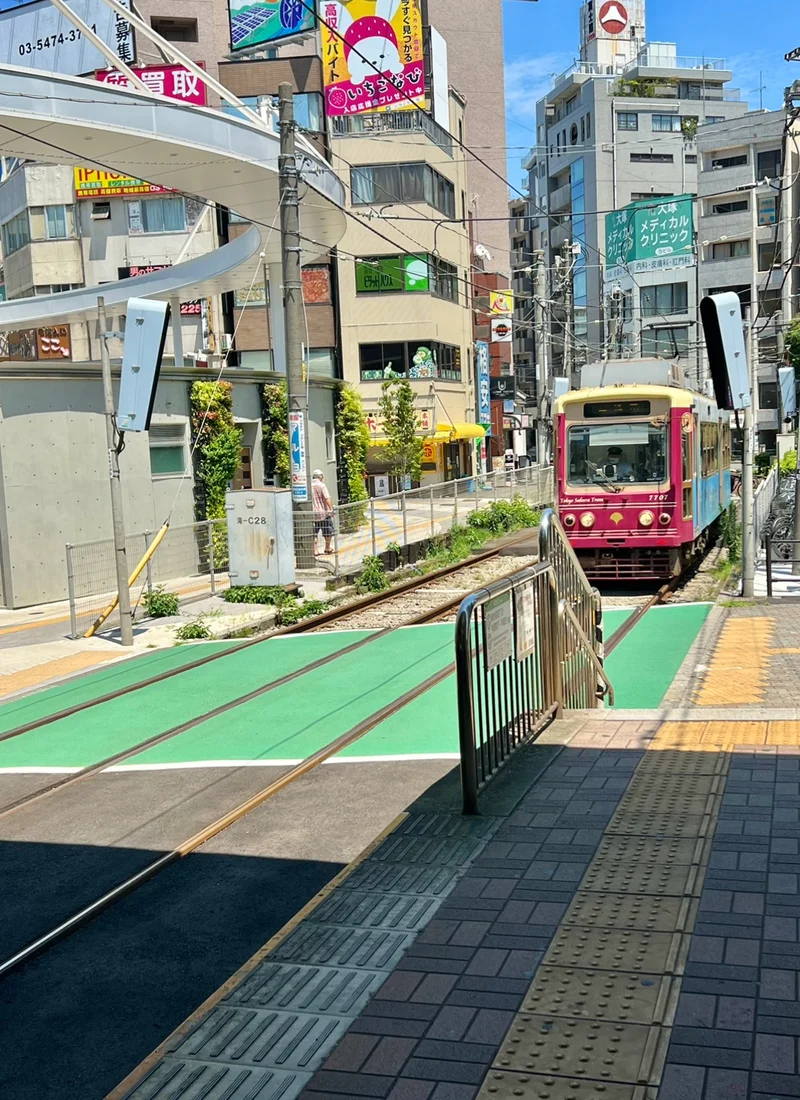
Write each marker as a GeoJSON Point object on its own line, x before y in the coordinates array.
{"type": "Point", "coordinates": [630, 624]}
{"type": "Point", "coordinates": [434, 610]}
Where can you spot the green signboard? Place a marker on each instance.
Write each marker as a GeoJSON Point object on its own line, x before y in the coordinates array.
{"type": "Point", "coordinates": [651, 234]}
{"type": "Point", "coordinates": [392, 273]}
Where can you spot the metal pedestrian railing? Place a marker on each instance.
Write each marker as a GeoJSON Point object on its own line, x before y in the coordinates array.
{"type": "Point", "coordinates": [192, 561]}
{"type": "Point", "coordinates": [763, 500]}
{"type": "Point", "coordinates": [528, 647]}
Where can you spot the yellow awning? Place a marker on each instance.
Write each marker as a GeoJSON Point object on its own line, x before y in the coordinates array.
{"type": "Point", "coordinates": [446, 433]}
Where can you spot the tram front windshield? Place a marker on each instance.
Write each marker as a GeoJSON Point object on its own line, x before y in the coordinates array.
{"type": "Point", "coordinates": [617, 454]}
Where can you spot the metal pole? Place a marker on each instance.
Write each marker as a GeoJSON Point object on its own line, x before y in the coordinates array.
{"type": "Point", "coordinates": [542, 365]}
{"type": "Point", "coordinates": [404, 504]}
{"type": "Point", "coordinates": [372, 524]}
{"type": "Point", "coordinates": [120, 556]}
{"type": "Point", "coordinates": [147, 535]}
{"type": "Point", "coordinates": [295, 331]}
{"type": "Point", "coordinates": [748, 526]}
{"type": "Point", "coordinates": [212, 568]}
{"type": "Point", "coordinates": [769, 564]}
{"type": "Point", "coordinates": [433, 525]}
{"type": "Point", "coordinates": [73, 611]}
{"type": "Point", "coordinates": [455, 503]}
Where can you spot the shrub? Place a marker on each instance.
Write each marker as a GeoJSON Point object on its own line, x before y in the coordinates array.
{"type": "Point", "coordinates": [789, 463]}
{"type": "Point", "coordinates": [353, 439]}
{"type": "Point", "coordinates": [504, 515]}
{"type": "Point", "coordinates": [275, 430]}
{"type": "Point", "coordinates": [763, 463]}
{"type": "Point", "coordinates": [732, 533]}
{"type": "Point", "coordinates": [256, 593]}
{"type": "Point", "coordinates": [159, 604]}
{"type": "Point", "coordinates": [293, 612]}
{"type": "Point", "coordinates": [194, 630]}
{"type": "Point", "coordinates": [372, 577]}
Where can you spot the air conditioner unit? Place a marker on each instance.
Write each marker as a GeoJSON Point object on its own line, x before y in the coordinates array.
{"type": "Point", "coordinates": [225, 342]}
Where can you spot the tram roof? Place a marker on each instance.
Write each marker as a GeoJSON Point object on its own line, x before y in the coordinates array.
{"type": "Point", "coordinates": [678, 397]}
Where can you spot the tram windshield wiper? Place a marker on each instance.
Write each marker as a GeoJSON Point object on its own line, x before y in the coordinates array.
{"type": "Point", "coordinates": [606, 480]}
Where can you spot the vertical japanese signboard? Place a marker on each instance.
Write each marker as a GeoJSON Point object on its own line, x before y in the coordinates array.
{"type": "Point", "coordinates": [372, 55]}
{"type": "Point", "coordinates": [36, 35]}
{"type": "Point", "coordinates": [482, 366]}
{"type": "Point", "coordinates": [651, 235]}
{"type": "Point", "coordinates": [297, 450]}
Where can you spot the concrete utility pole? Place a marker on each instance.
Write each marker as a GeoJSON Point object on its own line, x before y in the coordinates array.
{"type": "Point", "coordinates": [120, 554]}
{"type": "Point", "coordinates": [293, 314]}
{"type": "Point", "coordinates": [542, 358]}
{"type": "Point", "coordinates": [748, 514]}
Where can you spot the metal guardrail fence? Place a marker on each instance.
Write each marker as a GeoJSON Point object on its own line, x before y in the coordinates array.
{"type": "Point", "coordinates": [381, 523]}
{"type": "Point", "coordinates": [763, 500]}
{"type": "Point", "coordinates": [191, 561]}
{"type": "Point", "coordinates": [573, 586]}
{"type": "Point", "coordinates": [523, 655]}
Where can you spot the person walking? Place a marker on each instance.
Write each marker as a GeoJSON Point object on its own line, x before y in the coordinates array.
{"type": "Point", "coordinates": [323, 511]}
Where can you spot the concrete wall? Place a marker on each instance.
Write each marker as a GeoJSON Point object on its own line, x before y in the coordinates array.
{"type": "Point", "coordinates": [54, 472]}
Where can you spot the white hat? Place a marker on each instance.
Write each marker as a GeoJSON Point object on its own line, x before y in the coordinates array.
{"type": "Point", "coordinates": [317, 473]}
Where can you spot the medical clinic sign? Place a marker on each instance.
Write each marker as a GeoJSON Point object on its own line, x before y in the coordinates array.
{"type": "Point", "coordinates": [172, 81]}
{"type": "Point", "coordinates": [650, 235]}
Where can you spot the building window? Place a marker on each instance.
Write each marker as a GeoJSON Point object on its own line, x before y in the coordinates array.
{"type": "Point", "coordinates": [330, 441]}
{"type": "Point", "coordinates": [769, 164]}
{"type": "Point", "coordinates": [730, 207]}
{"type": "Point", "coordinates": [768, 395]}
{"type": "Point", "coordinates": [669, 343]}
{"type": "Point", "coordinates": [583, 129]}
{"type": "Point", "coordinates": [56, 288]}
{"type": "Point", "coordinates": [385, 183]}
{"type": "Point", "coordinates": [573, 134]}
{"type": "Point", "coordinates": [16, 233]}
{"type": "Point", "coordinates": [52, 223]}
{"type": "Point", "coordinates": [588, 126]}
{"type": "Point", "coordinates": [444, 279]}
{"type": "Point", "coordinates": [691, 158]}
{"type": "Point", "coordinates": [663, 300]}
{"type": "Point", "coordinates": [414, 359]}
{"type": "Point", "coordinates": [164, 215]}
{"type": "Point", "coordinates": [729, 162]}
{"type": "Point", "coordinates": [711, 119]}
{"type": "Point", "coordinates": [627, 120]}
{"type": "Point", "coordinates": [769, 255]}
{"type": "Point", "coordinates": [666, 124]}
{"type": "Point", "coordinates": [652, 158]}
{"type": "Point", "coordinates": [730, 250]}
{"type": "Point", "coordinates": [395, 274]}
{"type": "Point", "coordinates": [167, 450]}
{"type": "Point", "coordinates": [175, 30]}
{"type": "Point", "coordinates": [743, 291]}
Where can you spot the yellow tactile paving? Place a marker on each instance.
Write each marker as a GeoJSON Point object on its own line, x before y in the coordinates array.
{"type": "Point", "coordinates": [53, 670]}
{"type": "Point", "coordinates": [783, 733]}
{"type": "Point", "coordinates": [726, 735]}
{"type": "Point", "coordinates": [738, 668]}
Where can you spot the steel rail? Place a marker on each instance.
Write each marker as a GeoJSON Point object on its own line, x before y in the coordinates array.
{"type": "Point", "coordinates": [633, 620]}
{"type": "Point", "coordinates": [159, 738]}
{"type": "Point", "coordinates": [298, 628]}
{"type": "Point", "coordinates": [231, 817]}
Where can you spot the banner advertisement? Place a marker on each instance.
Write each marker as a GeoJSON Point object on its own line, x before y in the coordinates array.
{"type": "Point", "coordinates": [254, 24]}
{"type": "Point", "coordinates": [501, 302]}
{"type": "Point", "coordinates": [172, 81]}
{"type": "Point", "coordinates": [36, 35]}
{"type": "Point", "coordinates": [193, 308]}
{"type": "Point", "coordinates": [651, 235]}
{"type": "Point", "coordinates": [426, 422]}
{"type": "Point", "coordinates": [37, 344]}
{"type": "Point", "coordinates": [94, 183]}
{"type": "Point", "coordinates": [393, 273]}
{"type": "Point", "coordinates": [372, 55]}
{"type": "Point", "coordinates": [297, 448]}
{"type": "Point", "coordinates": [482, 369]}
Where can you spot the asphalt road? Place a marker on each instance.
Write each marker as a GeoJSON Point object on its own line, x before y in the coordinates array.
{"type": "Point", "coordinates": [79, 1018]}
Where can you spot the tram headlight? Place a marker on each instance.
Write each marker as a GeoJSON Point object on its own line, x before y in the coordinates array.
{"type": "Point", "coordinates": [587, 520]}
{"type": "Point", "coordinates": [647, 519]}
{"type": "Point", "coordinates": [664, 518]}
{"type": "Point", "coordinates": [569, 521]}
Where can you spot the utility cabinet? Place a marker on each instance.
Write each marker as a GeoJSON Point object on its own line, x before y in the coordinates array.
{"type": "Point", "coordinates": [260, 537]}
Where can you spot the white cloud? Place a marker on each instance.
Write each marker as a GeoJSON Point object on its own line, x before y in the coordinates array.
{"type": "Point", "coordinates": [527, 80]}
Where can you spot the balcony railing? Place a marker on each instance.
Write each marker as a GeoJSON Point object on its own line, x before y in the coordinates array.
{"type": "Point", "coordinates": [653, 58]}
{"type": "Point", "coordinates": [407, 122]}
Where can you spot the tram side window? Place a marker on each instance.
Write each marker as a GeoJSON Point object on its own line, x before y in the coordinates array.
{"type": "Point", "coordinates": [688, 497]}
{"type": "Point", "coordinates": [726, 446]}
{"type": "Point", "coordinates": [709, 435]}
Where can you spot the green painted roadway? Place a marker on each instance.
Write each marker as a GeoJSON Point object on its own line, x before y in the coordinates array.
{"type": "Point", "coordinates": [298, 718]}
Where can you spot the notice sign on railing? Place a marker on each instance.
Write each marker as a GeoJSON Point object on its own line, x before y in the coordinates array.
{"type": "Point", "coordinates": [497, 630]}
{"type": "Point", "coordinates": [526, 620]}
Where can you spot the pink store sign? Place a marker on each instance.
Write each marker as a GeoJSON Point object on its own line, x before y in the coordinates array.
{"type": "Point", "coordinates": [172, 81]}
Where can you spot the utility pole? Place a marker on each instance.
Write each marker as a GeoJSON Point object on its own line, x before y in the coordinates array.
{"type": "Point", "coordinates": [114, 448]}
{"type": "Point", "coordinates": [542, 358]}
{"type": "Point", "coordinates": [293, 314]}
{"type": "Point", "coordinates": [748, 516]}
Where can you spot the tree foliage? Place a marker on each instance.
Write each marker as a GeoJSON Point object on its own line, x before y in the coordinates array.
{"type": "Point", "coordinates": [792, 344]}
{"type": "Point", "coordinates": [275, 430]}
{"type": "Point", "coordinates": [353, 437]}
{"type": "Point", "coordinates": [404, 446]}
{"type": "Point", "coordinates": [217, 442]}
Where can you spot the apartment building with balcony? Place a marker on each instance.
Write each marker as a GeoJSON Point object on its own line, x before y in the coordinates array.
{"type": "Point", "coordinates": [403, 285]}
{"type": "Point", "coordinates": [619, 126]}
{"type": "Point", "coordinates": [749, 204]}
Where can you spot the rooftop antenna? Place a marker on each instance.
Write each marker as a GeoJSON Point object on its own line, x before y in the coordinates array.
{"type": "Point", "coordinates": [760, 89]}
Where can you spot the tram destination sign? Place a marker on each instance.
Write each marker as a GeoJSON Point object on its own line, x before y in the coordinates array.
{"type": "Point", "coordinates": [35, 35]}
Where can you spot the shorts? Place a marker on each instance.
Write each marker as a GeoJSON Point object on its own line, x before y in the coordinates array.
{"type": "Point", "coordinates": [324, 527]}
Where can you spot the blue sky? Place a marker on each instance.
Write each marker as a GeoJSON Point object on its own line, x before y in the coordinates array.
{"type": "Point", "coordinates": [542, 39]}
